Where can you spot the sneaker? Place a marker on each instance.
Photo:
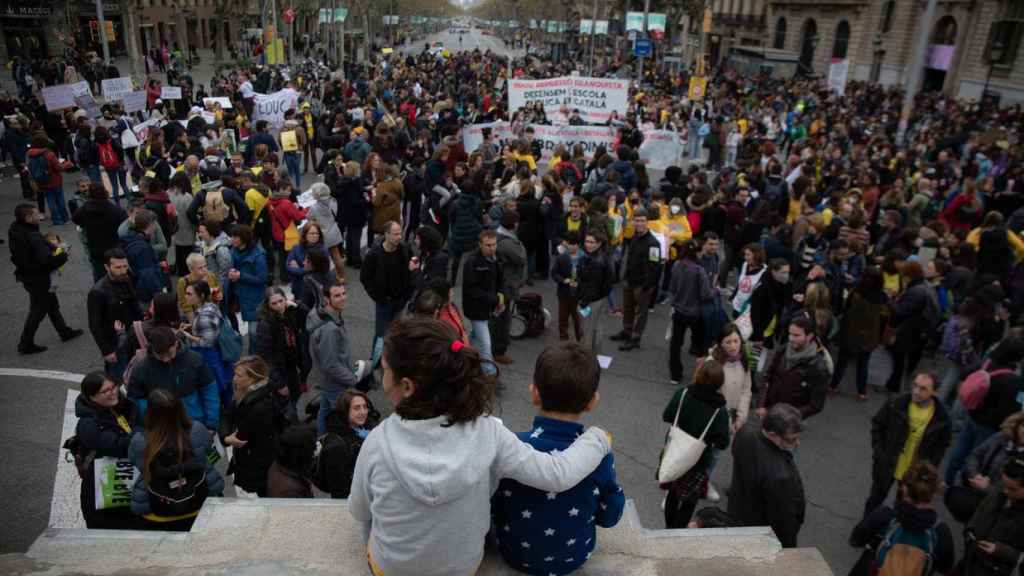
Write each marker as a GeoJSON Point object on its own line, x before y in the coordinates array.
{"type": "Point", "coordinates": [619, 337]}
{"type": "Point", "coordinates": [629, 345]}
{"type": "Point", "coordinates": [833, 391]}
{"type": "Point", "coordinates": [31, 349]}
{"type": "Point", "coordinates": [71, 334]}
{"type": "Point", "coordinates": [616, 312]}
{"type": "Point", "coordinates": [674, 382]}
{"type": "Point", "coordinates": [713, 495]}
{"type": "Point", "coordinates": [862, 397]}
{"type": "Point", "coordinates": [503, 359]}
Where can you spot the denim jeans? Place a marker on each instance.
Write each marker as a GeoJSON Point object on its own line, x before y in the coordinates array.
{"type": "Point", "coordinates": [294, 163]}
{"type": "Point", "coordinates": [58, 207]}
{"type": "Point", "coordinates": [951, 377]}
{"type": "Point", "coordinates": [117, 176]}
{"type": "Point", "coordinates": [328, 398]}
{"type": "Point", "coordinates": [94, 174]}
{"type": "Point", "coordinates": [480, 337]}
{"type": "Point", "coordinates": [972, 435]}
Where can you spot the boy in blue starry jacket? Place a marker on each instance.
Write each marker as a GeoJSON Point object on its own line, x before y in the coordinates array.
{"type": "Point", "coordinates": [547, 532]}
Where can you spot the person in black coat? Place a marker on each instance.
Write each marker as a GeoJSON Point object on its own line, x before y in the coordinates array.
{"type": "Point", "coordinates": [347, 188]}
{"type": "Point", "coordinates": [35, 259]}
{"type": "Point", "coordinates": [281, 340]}
{"type": "Point", "coordinates": [913, 513]}
{"type": "Point", "coordinates": [433, 258]}
{"type": "Point", "coordinates": [99, 219]}
{"type": "Point", "coordinates": [251, 425]}
{"type": "Point", "coordinates": [112, 302]}
{"type": "Point", "coordinates": [351, 421]}
{"type": "Point", "coordinates": [891, 428]}
{"type": "Point", "coordinates": [531, 225]}
{"type": "Point", "coordinates": [766, 486]}
{"type": "Point", "coordinates": [481, 295]}
{"type": "Point", "coordinates": [106, 422]}
{"type": "Point", "coordinates": [643, 263]}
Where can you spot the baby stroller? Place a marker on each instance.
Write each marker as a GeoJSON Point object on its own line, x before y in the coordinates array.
{"type": "Point", "coordinates": [529, 316]}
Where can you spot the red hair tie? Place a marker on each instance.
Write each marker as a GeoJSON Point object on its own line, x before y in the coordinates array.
{"type": "Point", "coordinates": [457, 345]}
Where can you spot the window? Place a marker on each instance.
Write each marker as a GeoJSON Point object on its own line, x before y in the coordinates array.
{"type": "Point", "coordinates": [1003, 41]}
{"type": "Point", "coordinates": [887, 15]}
{"type": "Point", "coordinates": [842, 42]}
{"type": "Point", "coordinates": [780, 34]}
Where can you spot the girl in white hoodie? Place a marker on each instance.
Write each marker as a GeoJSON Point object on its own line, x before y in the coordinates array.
{"type": "Point", "coordinates": [424, 477]}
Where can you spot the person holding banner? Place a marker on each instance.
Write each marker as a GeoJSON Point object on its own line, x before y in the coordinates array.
{"type": "Point", "coordinates": [106, 422]}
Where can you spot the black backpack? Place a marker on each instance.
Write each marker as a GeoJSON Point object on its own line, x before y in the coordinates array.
{"type": "Point", "coordinates": [176, 489]}
{"type": "Point", "coordinates": [325, 476]}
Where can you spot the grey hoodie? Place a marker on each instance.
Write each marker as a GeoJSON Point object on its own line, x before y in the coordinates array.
{"type": "Point", "coordinates": [422, 490]}
{"type": "Point", "coordinates": [330, 351]}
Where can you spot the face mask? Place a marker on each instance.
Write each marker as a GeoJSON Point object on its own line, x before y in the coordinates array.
{"type": "Point", "coordinates": [674, 209]}
{"type": "Point", "coordinates": [781, 277]}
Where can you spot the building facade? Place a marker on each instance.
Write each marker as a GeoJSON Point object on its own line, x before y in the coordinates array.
{"type": "Point", "coordinates": [877, 38]}
{"type": "Point", "coordinates": [971, 43]}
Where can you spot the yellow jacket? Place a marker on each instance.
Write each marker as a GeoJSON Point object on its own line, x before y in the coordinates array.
{"type": "Point", "coordinates": [255, 202]}
{"type": "Point", "coordinates": [677, 229]}
{"type": "Point", "coordinates": [974, 239]}
{"type": "Point", "coordinates": [528, 159]}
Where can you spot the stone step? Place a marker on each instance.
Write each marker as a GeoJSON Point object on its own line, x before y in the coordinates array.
{"type": "Point", "coordinates": [279, 537]}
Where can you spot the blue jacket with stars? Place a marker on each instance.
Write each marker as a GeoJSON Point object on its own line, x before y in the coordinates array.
{"type": "Point", "coordinates": [553, 533]}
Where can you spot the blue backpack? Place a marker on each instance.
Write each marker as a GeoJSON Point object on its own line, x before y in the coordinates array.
{"type": "Point", "coordinates": [39, 169]}
{"type": "Point", "coordinates": [904, 553]}
{"type": "Point", "coordinates": [229, 342]}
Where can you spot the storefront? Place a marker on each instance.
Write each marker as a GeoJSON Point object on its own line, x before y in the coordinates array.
{"type": "Point", "coordinates": [24, 24]}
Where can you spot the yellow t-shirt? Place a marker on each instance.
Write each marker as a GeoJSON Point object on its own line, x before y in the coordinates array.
{"type": "Point", "coordinates": [919, 418]}
{"type": "Point", "coordinates": [891, 283]}
{"type": "Point", "coordinates": [794, 211]}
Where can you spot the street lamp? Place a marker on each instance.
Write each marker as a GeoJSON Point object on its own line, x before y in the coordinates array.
{"type": "Point", "coordinates": [995, 55]}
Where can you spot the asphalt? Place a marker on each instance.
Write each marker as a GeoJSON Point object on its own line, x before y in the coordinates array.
{"type": "Point", "coordinates": [834, 456]}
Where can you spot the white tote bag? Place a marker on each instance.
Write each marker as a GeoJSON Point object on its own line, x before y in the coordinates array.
{"type": "Point", "coordinates": [682, 451]}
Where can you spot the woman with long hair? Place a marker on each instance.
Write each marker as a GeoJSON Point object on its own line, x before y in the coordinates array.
{"type": "Point", "coordinates": [251, 425]}
{"type": "Point", "coordinates": [282, 341]}
{"type": "Point", "coordinates": [175, 475]}
{"type": "Point", "coordinates": [351, 421]}
{"type": "Point", "coordinates": [694, 409]}
{"type": "Point", "coordinates": [106, 422]}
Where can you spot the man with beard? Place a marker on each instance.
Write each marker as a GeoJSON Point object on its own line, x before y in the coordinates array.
{"type": "Point", "coordinates": [112, 309]}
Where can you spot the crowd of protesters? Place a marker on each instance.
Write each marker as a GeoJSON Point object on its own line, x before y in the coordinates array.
{"type": "Point", "coordinates": [796, 237]}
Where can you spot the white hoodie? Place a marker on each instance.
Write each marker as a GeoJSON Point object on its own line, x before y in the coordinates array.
{"type": "Point", "coordinates": [423, 490]}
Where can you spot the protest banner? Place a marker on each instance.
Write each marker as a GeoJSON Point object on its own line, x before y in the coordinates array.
{"type": "Point", "coordinates": [838, 71]}
{"type": "Point", "coordinates": [224, 102]}
{"type": "Point", "coordinates": [595, 98]}
{"type": "Point", "coordinates": [661, 148]}
{"type": "Point", "coordinates": [58, 97]}
{"type": "Point", "coordinates": [170, 92]}
{"type": "Point", "coordinates": [116, 88]}
{"type": "Point", "coordinates": [135, 101]}
{"type": "Point", "coordinates": [81, 87]}
{"type": "Point", "coordinates": [271, 107]}
{"type": "Point", "coordinates": [113, 482]}
{"type": "Point", "coordinates": [88, 103]}
{"type": "Point", "coordinates": [698, 88]}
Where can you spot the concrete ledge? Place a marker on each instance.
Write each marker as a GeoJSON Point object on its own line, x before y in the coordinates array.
{"type": "Point", "coordinates": [283, 537]}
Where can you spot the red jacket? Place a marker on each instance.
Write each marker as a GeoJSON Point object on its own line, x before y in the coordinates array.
{"type": "Point", "coordinates": [282, 214]}
{"type": "Point", "coordinates": [56, 177]}
{"type": "Point", "coordinates": [957, 220]}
